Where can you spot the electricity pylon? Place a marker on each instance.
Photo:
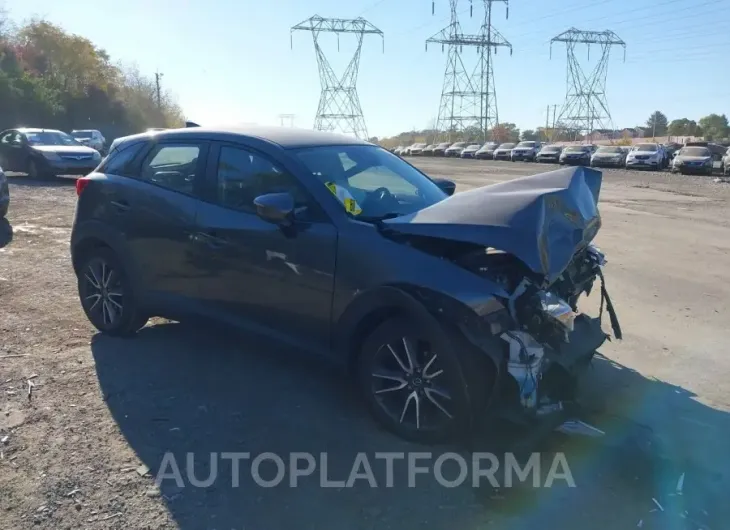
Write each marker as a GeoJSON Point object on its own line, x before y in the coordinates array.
{"type": "Point", "coordinates": [468, 102]}
{"type": "Point", "coordinates": [586, 107]}
{"type": "Point", "coordinates": [339, 105]}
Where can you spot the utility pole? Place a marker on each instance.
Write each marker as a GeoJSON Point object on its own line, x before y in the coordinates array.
{"type": "Point", "coordinates": [289, 117]}
{"type": "Point", "coordinates": [158, 76]}
{"type": "Point", "coordinates": [550, 136]}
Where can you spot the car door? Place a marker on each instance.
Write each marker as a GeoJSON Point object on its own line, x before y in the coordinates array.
{"type": "Point", "coordinates": [275, 280]}
{"type": "Point", "coordinates": [152, 199]}
{"type": "Point", "coordinates": [12, 151]}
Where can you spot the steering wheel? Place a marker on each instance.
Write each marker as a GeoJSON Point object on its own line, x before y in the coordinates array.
{"type": "Point", "coordinates": [382, 193]}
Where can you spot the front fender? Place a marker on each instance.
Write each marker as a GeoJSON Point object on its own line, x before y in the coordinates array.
{"type": "Point", "coordinates": [429, 308]}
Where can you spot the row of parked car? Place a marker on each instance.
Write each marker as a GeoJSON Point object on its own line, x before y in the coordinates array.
{"type": "Point", "coordinates": [693, 157]}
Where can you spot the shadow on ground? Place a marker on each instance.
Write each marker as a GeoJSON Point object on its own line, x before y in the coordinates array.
{"type": "Point", "coordinates": [178, 389]}
{"type": "Point", "coordinates": [51, 182]}
{"type": "Point", "coordinates": [6, 233]}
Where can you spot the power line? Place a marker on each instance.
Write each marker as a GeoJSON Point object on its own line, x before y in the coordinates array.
{"type": "Point", "coordinates": [371, 7]}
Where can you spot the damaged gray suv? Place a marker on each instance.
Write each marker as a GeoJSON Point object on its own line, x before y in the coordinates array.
{"type": "Point", "coordinates": [445, 308]}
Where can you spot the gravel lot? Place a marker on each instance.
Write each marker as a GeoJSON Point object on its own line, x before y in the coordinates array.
{"type": "Point", "coordinates": [100, 408]}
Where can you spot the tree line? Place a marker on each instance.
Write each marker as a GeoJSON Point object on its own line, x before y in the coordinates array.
{"type": "Point", "coordinates": [50, 78]}
{"type": "Point", "coordinates": [710, 127]}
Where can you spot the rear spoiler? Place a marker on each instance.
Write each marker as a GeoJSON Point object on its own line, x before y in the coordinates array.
{"type": "Point", "coordinates": [191, 124]}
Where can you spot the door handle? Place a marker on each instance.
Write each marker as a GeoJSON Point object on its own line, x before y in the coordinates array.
{"type": "Point", "coordinates": [121, 206]}
{"type": "Point", "coordinates": [209, 239]}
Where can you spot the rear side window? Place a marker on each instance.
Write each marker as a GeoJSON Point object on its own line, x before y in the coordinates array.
{"type": "Point", "coordinates": [119, 160]}
{"type": "Point", "coordinates": [172, 166]}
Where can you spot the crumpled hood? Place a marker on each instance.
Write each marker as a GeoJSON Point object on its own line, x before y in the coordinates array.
{"type": "Point", "coordinates": [543, 219]}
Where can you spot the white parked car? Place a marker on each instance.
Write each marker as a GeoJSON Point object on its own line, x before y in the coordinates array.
{"type": "Point", "coordinates": [90, 138]}
{"type": "Point", "coordinates": [455, 149]}
{"type": "Point", "coordinates": [726, 163]}
{"type": "Point", "coordinates": [646, 156]}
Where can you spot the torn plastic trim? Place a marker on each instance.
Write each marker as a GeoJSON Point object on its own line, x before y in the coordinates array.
{"type": "Point", "coordinates": [524, 364]}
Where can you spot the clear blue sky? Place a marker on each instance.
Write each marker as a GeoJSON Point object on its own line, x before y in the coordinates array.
{"type": "Point", "coordinates": [229, 61]}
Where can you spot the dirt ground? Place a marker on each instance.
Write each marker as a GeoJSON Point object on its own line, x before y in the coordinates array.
{"type": "Point", "coordinates": [72, 444]}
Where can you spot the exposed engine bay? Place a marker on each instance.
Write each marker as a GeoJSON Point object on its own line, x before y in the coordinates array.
{"type": "Point", "coordinates": [544, 314]}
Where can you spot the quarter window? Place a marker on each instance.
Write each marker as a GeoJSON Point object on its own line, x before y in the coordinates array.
{"type": "Point", "coordinates": [117, 163]}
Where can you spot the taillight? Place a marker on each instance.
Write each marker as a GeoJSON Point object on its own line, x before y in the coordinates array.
{"type": "Point", "coordinates": [81, 184]}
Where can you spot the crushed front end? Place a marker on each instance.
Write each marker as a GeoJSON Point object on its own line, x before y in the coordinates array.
{"type": "Point", "coordinates": [548, 341]}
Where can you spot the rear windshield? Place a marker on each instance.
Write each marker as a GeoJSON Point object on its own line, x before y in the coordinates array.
{"type": "Point", "coordinates": [82, 134]}
{"type": "Point", "coordinates": [695, 151]}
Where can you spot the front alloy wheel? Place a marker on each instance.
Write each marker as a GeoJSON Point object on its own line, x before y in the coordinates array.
{"type": "Point", "coordinates": [414, 391]}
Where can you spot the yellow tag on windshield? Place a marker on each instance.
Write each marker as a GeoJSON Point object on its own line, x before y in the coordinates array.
{"type": "Point", "coordinates": [344, 196]}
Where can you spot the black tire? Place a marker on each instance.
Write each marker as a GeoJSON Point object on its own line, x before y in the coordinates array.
{"type": "Point", "coordinates": [35, 173]}
{"type": "Point", "coordinates": [106, 294]}
{"type": "Point", "coordinates": [396, 397]}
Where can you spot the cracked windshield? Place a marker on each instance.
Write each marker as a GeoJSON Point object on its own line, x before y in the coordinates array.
{"type": "Point", "coordinates": [415, 264]}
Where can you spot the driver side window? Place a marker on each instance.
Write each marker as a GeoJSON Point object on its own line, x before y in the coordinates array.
{"type": "Point", "coordinates": [243, 175]}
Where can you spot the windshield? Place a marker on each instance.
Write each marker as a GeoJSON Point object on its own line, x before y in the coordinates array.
{"type": "Point", "coordinates": [50, 138]}
{"type": "Point", "coordinates": [526, 144]}
{"type": "Point", "coordinates": [506, 146]}
{"type": "Point", "coordinates": [445, 144]}
{"type": "Point", "coordinates": [550, 149]}
{"type": "Point", "coordinates": [695, 151]}
{"type": "Point", "coordinates": [609, 150]}
{"type": "Point", "coordinates": [646, 147]}
{"type": "Point", "coordinates": [459, 144]}
{"type": "Point", "coordinates": [382, 184]}
{"type": "Point", "coordinates": [577, 149]}
{"type": "Point", "coordinates": [86, 135]}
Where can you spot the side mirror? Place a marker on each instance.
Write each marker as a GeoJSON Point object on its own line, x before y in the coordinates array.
{"type": "Point", "coordinates": [277, 208]}
{"type": "Point", "coordinates": [446, 185]}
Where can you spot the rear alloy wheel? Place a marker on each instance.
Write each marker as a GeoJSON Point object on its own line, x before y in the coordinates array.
{"type": "Point", "coordinates": [416, 392]}
{"type": "Point", "coordinates": [106, 295]}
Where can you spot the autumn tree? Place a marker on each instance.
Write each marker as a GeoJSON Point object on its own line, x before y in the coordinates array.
{"type": "Point", "coordinates": [51, 78]}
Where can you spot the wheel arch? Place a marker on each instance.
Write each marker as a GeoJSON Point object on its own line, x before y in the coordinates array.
{"type": "Point", "coordinates": [95, 234]}
{"type": "Point", "coordinates": [429, 308]}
